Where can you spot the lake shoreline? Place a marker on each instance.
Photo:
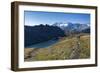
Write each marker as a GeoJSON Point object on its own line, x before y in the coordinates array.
{"type": "Point", "coordinates": [44, 44]}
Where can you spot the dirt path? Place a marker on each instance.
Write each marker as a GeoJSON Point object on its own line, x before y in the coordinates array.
{"type": "Point", "coordinates": [76, 50]}
{"type": "Point", "coordinates": [31, 55]}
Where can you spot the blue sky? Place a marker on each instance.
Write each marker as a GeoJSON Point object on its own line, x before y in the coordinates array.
{"type": "Point", "coordinates": [32, 18]}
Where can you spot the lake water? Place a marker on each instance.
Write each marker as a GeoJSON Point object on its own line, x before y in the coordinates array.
{"type": "Point", "coordinates": [43, 44]}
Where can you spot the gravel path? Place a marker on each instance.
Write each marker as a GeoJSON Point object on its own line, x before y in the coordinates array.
{"type": "Point", "coordinates": [76, 50]}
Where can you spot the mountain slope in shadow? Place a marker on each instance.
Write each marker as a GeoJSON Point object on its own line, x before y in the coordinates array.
{"type": "Point", "coordinates": [41, 33]}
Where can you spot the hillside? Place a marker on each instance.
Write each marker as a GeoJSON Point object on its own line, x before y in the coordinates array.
{"type": "Point", "coordinates": [65, 48]}
{"type": "Point", "coordinates": [41, 33]}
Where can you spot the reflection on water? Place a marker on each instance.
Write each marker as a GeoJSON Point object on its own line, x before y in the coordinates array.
{"type": "Point", "coordinates": [43, 44]}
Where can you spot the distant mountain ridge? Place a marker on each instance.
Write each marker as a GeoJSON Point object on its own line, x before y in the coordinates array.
{"type": "Point", "coordinates": [72, 26]}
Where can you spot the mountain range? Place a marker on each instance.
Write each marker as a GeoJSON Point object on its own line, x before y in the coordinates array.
{"type": "Point", "coordinates": [41, 33]}
{"type": "Point", "coordinates": [73, 27]}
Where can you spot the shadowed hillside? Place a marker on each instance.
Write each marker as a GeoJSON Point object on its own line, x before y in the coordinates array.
{"type": "Point", "coordinates": [41, 33]}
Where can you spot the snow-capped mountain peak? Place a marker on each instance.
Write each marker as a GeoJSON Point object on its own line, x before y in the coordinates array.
{"type": "Point", "coordinates": [72, 26]}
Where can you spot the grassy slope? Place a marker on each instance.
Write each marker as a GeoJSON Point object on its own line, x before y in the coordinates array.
{"type": "Point", "coordinates": [61, 50]}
